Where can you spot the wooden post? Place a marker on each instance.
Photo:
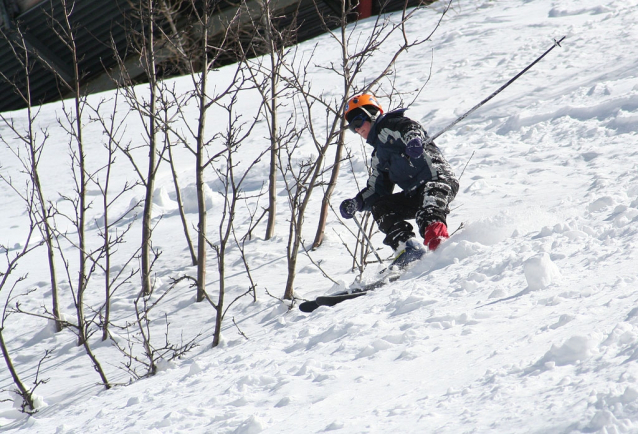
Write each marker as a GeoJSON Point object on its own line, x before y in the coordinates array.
{"type": "Point", "coordinates": [364, 9]}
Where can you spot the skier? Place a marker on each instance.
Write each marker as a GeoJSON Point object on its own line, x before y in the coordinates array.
{"type": "Point", "coordinates": [399, 158]}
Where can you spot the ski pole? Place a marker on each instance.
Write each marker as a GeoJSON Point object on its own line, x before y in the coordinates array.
{"type": "Point", "coordinates": [431, 139]}
{"type": "Point", "coordinates": [367, 239]}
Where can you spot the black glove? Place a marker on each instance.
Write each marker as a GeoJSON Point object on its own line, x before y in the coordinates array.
{"type": "Point", "coordinates": [414, 148]}
{"type": "Point", "coordinates": [350, 206]}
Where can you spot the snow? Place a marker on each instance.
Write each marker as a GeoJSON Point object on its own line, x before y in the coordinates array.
{"type": "Point", "coordinates": [523, 321]}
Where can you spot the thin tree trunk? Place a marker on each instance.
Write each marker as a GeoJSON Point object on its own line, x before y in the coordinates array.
{"type": "Point", "coordinates": [200, 165]}
{"type": "Point", "coordinates": [82, 278]}
{"type": "Point", "coordinates": [296, 224]}
{"type": "Point", "coordinates": [107, 254]}
{"type": "Point", "coordinates": [147, 229]}
{"type": "Point", "coordinates": [47, 232]}
{"type": "Point", "coordinates": [96, 365]}
{"type": "Point", "coordinates": [45, 227]}
{"type": "Point", "coordinates": [220, 300]}
{"type": "Point", "coordinates": [26, 395]}
{"type": "Point", "coordinates": [323, 215]}
{"type": "Point", "coordinates": [272, 108]}
{"type": "Point", "coordinates": [325, 203]}
{"type": "Point", "coordinates": [180, 206]}
{"type": "Point", "coordinates": [292, 270]}
{"type": "Point", "coordinates": [201, 225]}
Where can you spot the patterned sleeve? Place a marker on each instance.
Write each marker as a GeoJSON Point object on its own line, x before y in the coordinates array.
{"type": "Point", "coordinates": [410, 129]}
{"type": "Point", "coordinates": [378, 185]}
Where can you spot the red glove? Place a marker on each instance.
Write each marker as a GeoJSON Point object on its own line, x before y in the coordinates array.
{"type": "Point", "coordinates": [434, 234]}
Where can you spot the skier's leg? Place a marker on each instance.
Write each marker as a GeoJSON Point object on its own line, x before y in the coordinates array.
{"type": "Point", "coordinates": [431, 216]}
{"type": "Point", "coordinates": [390, 213]}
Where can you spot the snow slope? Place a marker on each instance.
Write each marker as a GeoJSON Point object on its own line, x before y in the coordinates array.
{"type": "Point", "coordinates": [525, 321]}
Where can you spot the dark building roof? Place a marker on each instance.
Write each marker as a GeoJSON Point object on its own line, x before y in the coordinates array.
{"type": "Point", "coordinates": [99, 25]}
{"type": "Point", "coordinates": [103, 32]}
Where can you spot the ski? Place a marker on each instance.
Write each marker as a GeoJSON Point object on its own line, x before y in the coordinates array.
{"type": "Point", "coordinates": [355, 291]}
{"type": "Point", "coordinates": [331, 300]}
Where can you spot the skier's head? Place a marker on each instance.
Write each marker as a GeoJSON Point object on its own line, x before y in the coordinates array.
{"type": "Point", "coordinates": [361, 108]}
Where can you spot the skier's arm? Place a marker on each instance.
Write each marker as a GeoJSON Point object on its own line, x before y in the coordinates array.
{"type": "Point", "coordinates": [411, 130]}
{"type": "Point", "coordinates": [378, 185]}
{"type": "Point", "coordinates": [413, 135]}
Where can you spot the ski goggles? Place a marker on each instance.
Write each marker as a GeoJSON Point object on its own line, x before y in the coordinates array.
{"type": "Point", "coordinates": [357, 122]}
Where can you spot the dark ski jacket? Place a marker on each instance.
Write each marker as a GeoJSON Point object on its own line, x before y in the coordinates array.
{"type": "Point", "coordinates": [388, 135]}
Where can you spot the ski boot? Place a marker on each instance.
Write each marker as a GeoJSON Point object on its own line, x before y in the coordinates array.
{"type": "Point", "coordinates": [407, 253]}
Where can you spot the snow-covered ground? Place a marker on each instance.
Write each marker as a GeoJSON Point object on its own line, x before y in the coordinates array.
{"type": "Point", "coordinates": [549, 201]}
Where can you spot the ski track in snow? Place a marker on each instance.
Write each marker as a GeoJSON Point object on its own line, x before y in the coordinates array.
{"type": "Point", "coordinates": [525, 321]}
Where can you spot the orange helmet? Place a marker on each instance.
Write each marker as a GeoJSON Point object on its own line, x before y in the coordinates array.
{"type": "Point", "coordinates": [368, 103]}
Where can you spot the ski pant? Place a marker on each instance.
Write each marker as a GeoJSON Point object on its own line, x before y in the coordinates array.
{"type": "Point", "coordinates": [428, 204]}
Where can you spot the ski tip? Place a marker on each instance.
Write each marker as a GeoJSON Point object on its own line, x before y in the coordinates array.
{"type": "Point", "coordinates": [308, 306]}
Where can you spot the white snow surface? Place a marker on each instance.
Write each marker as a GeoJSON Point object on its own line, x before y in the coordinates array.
{"type": "Point", "coordinates": [549, 201]}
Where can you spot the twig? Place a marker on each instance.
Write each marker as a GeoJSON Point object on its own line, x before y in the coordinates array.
{"type": "Point", "coordinates": [239, 330]}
